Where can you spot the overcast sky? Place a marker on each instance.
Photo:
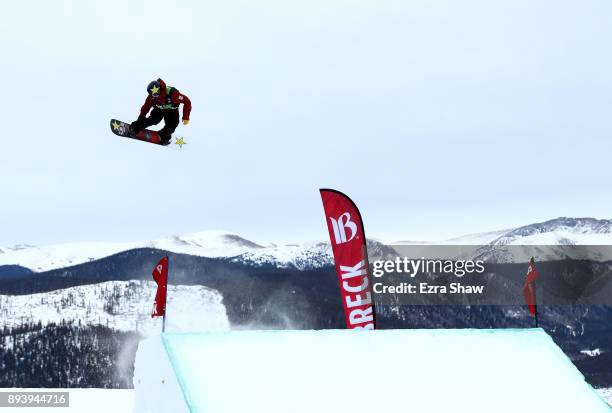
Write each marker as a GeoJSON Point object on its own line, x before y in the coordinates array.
{"type": "Point", "coordinates": [438, 118]}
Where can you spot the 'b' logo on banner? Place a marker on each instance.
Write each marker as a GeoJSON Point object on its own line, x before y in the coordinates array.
{"type": "Point", "coordinates": [340, 225]}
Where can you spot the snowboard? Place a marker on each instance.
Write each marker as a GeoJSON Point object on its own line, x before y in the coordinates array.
{"type": "Point", "coordinates": [120, 128]}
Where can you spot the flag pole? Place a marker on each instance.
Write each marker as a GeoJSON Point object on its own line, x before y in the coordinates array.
{"type": "Point", "coordinates": [166, 295]}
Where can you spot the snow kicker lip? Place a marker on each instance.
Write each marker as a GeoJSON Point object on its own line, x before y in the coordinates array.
{"type": "Point", "coordinates": [416, 364]}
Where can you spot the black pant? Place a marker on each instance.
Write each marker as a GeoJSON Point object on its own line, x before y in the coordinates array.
{"type": "Point", "coordinates": [170, 117]}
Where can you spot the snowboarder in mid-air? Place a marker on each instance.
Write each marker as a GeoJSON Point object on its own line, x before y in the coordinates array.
{"type": "Point", "coordinates": [165, 101]}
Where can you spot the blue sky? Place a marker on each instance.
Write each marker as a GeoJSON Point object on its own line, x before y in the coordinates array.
{"type": "Point", "coordinates": [438, 118]}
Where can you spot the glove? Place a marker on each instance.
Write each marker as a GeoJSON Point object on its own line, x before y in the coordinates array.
{"type": "Point", "coordinates": [185, 122]}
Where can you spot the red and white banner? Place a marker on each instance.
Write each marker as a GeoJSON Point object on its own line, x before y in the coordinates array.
{"type": "Point", "coordinates": [350, 254]}
{"type": "Point", "coordinates": [160, 275]}
{"type": "Point", "coordinates": [529, 289]}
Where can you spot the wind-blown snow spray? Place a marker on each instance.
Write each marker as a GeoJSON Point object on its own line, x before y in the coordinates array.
{"type": "Point", "coordinates": [351, 257]}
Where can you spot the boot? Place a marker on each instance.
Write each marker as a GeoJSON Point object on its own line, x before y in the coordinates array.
{"type": "Point", "coordinates": [166, 137]}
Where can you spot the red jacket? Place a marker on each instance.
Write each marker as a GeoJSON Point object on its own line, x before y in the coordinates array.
{"type": "Point", "coordinates": [167, 101]}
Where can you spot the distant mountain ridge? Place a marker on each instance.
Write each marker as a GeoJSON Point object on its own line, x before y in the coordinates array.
{"type": "Point", "coordinates": [210, 244]}
{"type": "Point", "coordinates": [213, 244]}
{"type": "Point", "coordinates": [571, 229]}
{"type": "Point", "coordinates": [558, 231]}
{"type": "Point", "coordinates": [549, 240]}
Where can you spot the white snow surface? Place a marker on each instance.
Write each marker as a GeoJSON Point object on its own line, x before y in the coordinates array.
{"type": "Point", "coordinates": [83, 400]}
{"type": "Point", "coordinates": [606, 394]}
{"type": "Point", "coordinates": [122, 400]}
{"type": "Point", "coordinates": [122, 305]}
{"type": "Point", "coordinates": [324, 371]}
{"type": "Point", "coordinates": [159, 379]}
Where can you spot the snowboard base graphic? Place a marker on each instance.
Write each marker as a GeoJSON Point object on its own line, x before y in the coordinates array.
{"type": "Point", "coordinates": [122, 129]}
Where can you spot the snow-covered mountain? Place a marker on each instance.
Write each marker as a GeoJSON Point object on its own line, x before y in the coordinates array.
{"type": "Point", "coordinates": [121, 305]}
{"type": "Point", "coordinates": [203, 244]}
{"type": "Point", "coordinates": [559, 231]}
{"type": "Point", "coordinates": [549, 240]}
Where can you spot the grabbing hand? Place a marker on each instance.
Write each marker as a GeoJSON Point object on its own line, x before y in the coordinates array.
{"type": "Point", "coordinates": [185, 122]}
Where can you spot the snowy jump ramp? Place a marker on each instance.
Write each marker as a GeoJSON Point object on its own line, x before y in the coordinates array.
{"type": "Point", "coordinates": [359, 371]}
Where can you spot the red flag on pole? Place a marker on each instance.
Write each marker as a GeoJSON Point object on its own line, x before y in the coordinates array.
{"type": "Point", "coordinates": [351, 257]}
{"type": "Point", "coordinates": [160, 275]}
{"type": "Point", "coordinates": [529, 289]}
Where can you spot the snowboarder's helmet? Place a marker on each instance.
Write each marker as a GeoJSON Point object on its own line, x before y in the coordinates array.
{"type": "Point", "coordinates": [154, 88]}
